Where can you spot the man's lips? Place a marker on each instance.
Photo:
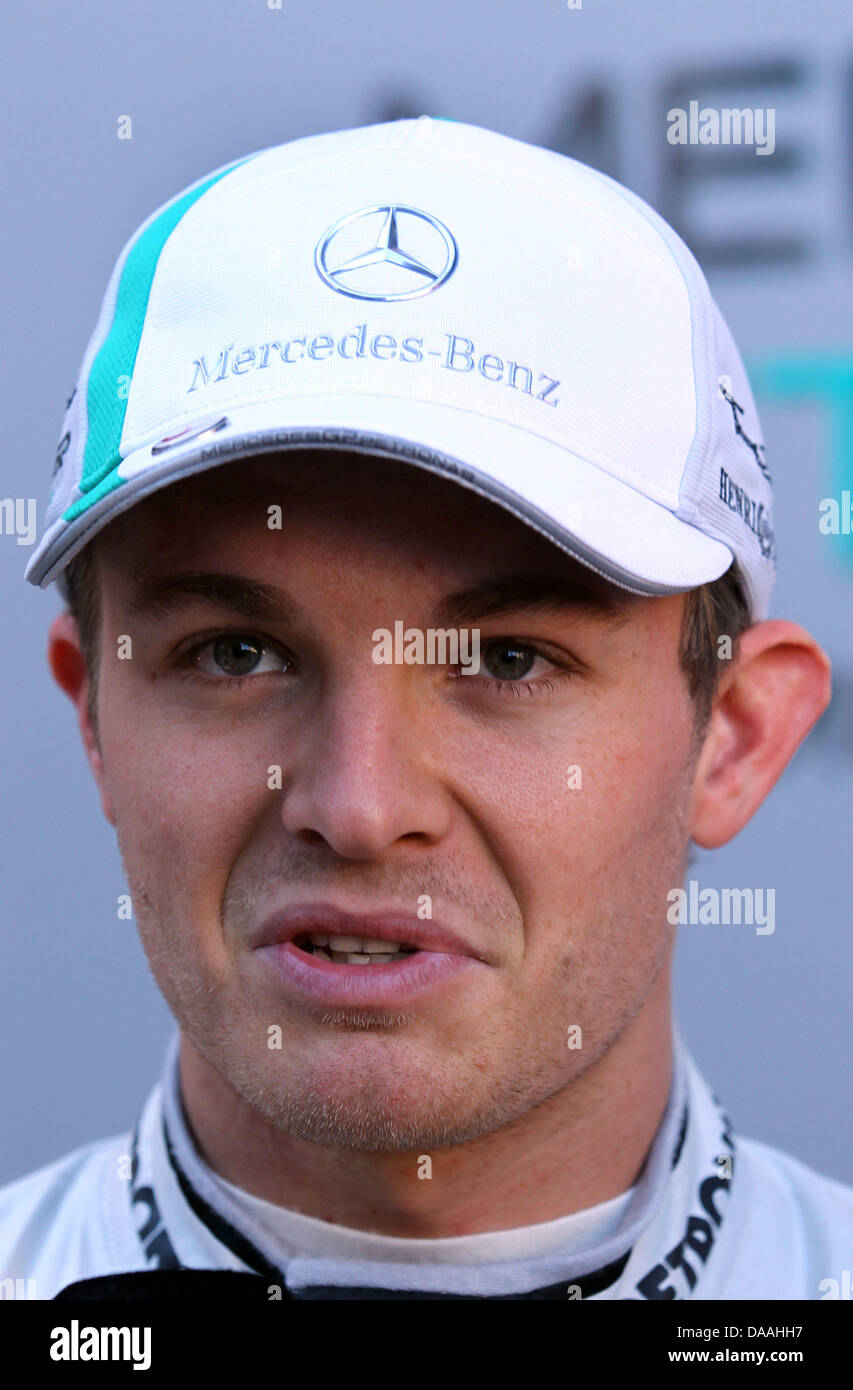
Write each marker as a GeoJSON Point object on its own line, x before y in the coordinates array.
{"type": "Point", "coordinates": [437, 956]}
{"type": "Point", "coordinates": [402, 928]}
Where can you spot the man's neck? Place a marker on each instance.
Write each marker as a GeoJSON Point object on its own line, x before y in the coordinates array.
{"type": "Point", "coordinates": [583, 1146]}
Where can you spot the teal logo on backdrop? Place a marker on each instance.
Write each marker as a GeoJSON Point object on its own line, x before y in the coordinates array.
{"type": "Point", "coordinates": [825, 378]}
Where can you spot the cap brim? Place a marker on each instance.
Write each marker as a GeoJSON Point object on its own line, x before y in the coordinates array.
{"type": "Point", "coordinates": [599, 520]}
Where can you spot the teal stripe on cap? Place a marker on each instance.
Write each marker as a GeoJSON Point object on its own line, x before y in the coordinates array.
{"type": "Point", "coordinates": [116, 358]}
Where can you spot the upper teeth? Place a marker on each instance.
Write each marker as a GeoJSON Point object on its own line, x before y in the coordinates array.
{"type": "Point", "coordinates": [355, 945]}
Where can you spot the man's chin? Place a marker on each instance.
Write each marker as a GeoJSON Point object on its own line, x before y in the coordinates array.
{"type": "Point", "coordinates": [370, 1103]}
{"type": "Point", "coordinates": [352, 1125]}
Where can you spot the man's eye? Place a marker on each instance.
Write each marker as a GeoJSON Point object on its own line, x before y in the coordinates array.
{"type": "Point", "coordinates": [507, 660]}
{"type": "Point", "coordinates": [236, 655]}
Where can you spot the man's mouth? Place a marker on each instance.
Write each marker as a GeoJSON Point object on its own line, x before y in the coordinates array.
{"type": "Point", "coordinates": [320, 951]}
{"type": "Point", "coordinates": [353, 950]}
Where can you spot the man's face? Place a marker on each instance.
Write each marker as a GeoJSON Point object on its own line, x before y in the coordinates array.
{"type": "Point", "coordinates": [535, 811]}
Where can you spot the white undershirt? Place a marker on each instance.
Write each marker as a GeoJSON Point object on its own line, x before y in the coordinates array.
{"type": "Point", "coordinates": [296, 1234]}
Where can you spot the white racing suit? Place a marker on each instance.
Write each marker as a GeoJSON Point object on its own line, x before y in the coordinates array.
{"type": "Point", "coordinates": [712, 1216]}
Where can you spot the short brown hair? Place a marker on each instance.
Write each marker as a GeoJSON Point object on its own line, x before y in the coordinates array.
{"type": "Point", "coordinates": [78, 585]}
{"type": "Point", "coordinates": [712, 611]}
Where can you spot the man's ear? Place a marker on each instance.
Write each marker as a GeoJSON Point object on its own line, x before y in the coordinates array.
{"type": "Point", "coordinates": [775, 692]}
{"type": "Point", "coordinates": [68, 666]}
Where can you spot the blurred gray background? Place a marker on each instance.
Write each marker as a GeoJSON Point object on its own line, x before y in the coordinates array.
{"type": "Point", "coordinates": [82, 1026]}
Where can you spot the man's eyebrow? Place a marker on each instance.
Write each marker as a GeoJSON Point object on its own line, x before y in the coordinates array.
{"type": "Point", "coordinates": [168, 593]}
{"type": "Point", "coordinates": [509, 593]}
{"type": "Point", "coordinates": [490, 597]}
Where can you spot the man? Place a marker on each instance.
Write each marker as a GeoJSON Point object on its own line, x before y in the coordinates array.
{"type": "Point", "coordinates": [416, 531]}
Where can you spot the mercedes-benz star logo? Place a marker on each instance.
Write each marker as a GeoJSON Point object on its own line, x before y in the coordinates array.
{"type": "Point", "coordinates": [384, 270]}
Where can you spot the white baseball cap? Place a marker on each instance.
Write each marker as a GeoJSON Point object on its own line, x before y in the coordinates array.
{"type": "Point", "coordinates": [444, 295]}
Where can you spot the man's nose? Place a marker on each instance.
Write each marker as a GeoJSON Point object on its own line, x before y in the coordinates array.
{"type": "Point", "coordinates": [366, 773]}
